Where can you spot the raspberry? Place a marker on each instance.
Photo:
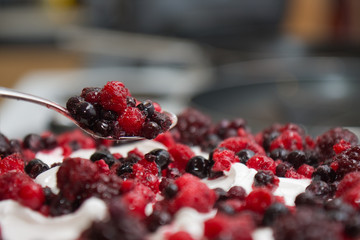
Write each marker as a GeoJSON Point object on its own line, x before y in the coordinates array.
{"type": "Point", "coordinates": [72, 141]}
{"type": "Point", "coordinates": [350, 180]}
{"type": "Point", "coordinates": [113, 96]}
{"type": "Point", "coordinates": [259, 200]}
{"type": "Point", "coordinates": [181, 155]}
{"type": "Point", "coordinates": [137, 199]}
{"type": "Point", "coordinates": [237, 144]}
{"type": "Point", "coordinates": [131, 121]}
{"type": "Point", "coordinates": [166, 139]}
{"type": "Point", "coordinates": [237, 227]}
{"type": "Point", "coordinates": [348, 161]}
{"type": "Point", "coordinates": [223, 159]}
{"type": "Point", "coordinates": [180, 236]}
{"type": "Point", "coordinates": [305, 170]}
{"type": "Point", "coordinates": [261, 162]}
{"type": "Point", "coordinates": [74, 177]}
{"type": "Point", "coordinates": [291, 173]}
{"type": "Point", "coordinates": [91, 94]}
{"type": "Point", "coordinates": [289, 140]}
{"type": "Point", "coordinates": [12, 163]}
{"type": "Point", "coordinates": [326, 141]}
{"type": "Point", "coordinates": [341, 146]}
{"type": "Point", "coordinates": [146, 173]}
{"type": "Point", "coordinates": [236, 192]}
{"type": "Point", "coordinates": [20, 187]}
{"type": "Point", "coordinates": [192, 193]}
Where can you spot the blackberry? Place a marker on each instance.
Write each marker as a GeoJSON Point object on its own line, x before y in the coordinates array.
{"type": "Point", "coordinates": [198, 166]}
{"type": "Point", "coordinates": [160, 156]}
{"type": "Point", "coordinates": [104, 155]}
{"type": "Point", "coordinates": [348, 161]}
{"type": "Point", "coordinates": [162, 120]}
{"type": "Point", "coordinates": [91, 94]}
{"type": "Point", "coordinates": [307, 223]}
{"type": "Point", "coordinates": [244, 155]}
{"type": "Point", "coordinates": [324, 173]}
{"type": "Point", "coordinates": [273, 212]}
{"type": "Point", "coordinates": [193, 126]}
{"type": "Point", "coordinates": [147, 108]}
{"type": "Point", "coordinates": [296, 158]}
{"type": "Point", "coordinates": [35, 167]}
{"type": "Point", "coordinates": [326, 141]}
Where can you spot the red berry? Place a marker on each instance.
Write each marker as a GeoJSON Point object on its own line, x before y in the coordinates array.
{"type": "Point", "coordinates": [261, 162]}
{"type": "Point", "coordinates": [289, 140]}
{"type": "Point", "coordinates": [113, 96]}
{"type": "Point", "coordinates": [166, 138]}
{"type": "Point", "coordinates": [192, 193]}
{"type": "Point", "coordinates": [138, 198]}
{"type": "Point", "coordinates": [180, 236]}
{"type": "Point", "coordinates": [181, 155]}
{"type": "Point", "coordinates": [259, 200]}
{"type": "Point", "coordinates": [131, 121]}
{"type": "Point", "coordinates": [350, 180]}
{"type": "Point", "coordinates": [341, 146]}
{"type": "Point", "coordinates": [306, 170]}
{"type": "Point", "coordinates": [237, 144]}
{"type": "Point", "coordinates": [291, 173]}
{"type": "Point", "coordinates": [223, 159]}
{"type": "Point", "coordinates": [12, 163]}
{"type": "Point", "coordinates": [146, 173]}
{"type": "Point", "coordinates": [20, 187]}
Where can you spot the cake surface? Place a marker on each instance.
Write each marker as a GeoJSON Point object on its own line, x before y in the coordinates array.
{"type": "Point", "coordinates": [202, 180]}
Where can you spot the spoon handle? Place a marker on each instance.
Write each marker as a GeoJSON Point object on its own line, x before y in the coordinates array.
{"type": "Point", "coordinates": [9, 93]}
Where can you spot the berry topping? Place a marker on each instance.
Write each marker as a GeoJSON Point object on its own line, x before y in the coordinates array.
{"type": "Point", "coordinates": [113, 96]}
{"type": "Point", "coordinates": [160, 156]}
{"type": "Point", "coordinates": [198, 166]}
{"type": "Point", "coordinates": [265, 178]}
{"type": "Point", "coordinates": [35, 167]}
{"type": "Point", "coordinates": [131, 121]}
{"type": "Point", "coordinates": [244, 155]}
{"type": "Point", "coordinates": [261, 162]}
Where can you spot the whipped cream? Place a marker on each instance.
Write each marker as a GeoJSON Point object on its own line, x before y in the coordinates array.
{"type": "Point", "coordinates": [19, 222]}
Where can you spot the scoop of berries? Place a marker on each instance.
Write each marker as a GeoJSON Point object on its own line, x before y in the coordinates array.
{"type": "Point", "coordinates": [112, 111]}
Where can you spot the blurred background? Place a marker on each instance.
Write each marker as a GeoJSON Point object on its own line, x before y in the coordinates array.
{"type": "Point", "coordinates": [266, 60]}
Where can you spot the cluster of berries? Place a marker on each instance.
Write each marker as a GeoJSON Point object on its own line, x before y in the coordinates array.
{"type": "Point", "coordinates": [112, 111]}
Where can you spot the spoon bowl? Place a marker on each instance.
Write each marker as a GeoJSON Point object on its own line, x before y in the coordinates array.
{"type": "Point", "coordinates": [12, 94]}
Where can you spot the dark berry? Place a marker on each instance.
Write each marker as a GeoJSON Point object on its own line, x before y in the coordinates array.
{"type": "Point", "coordinates": [352, 227]}
{"type": "Point", "coordinates": [324, 173]}
{"type": "Point", "coordinates": [50, 141]}
{"type": "Point", "coordinates": [326, 141]}
{"type": "Point", "coordinates": [160, 156]}
{"type": "Point", "coordinates": [147, 108]}
{"type": "Point", "coordinates": [244, 155]}
{"type": "Point", "coordinates": [198, 166]}
{"type": "Point", "coordinates": [125, 167]}
{"type": "Point", "coordinates": [224, 207]}
{"type": "Point", "coordinates": [150, 130]}
{"type": "Point", "coordinates": [282, 168]}
{"type": "Point", "coordinates": [221, 194]}
{"type": "Point", "coordinates": [103, 128]}
{"type": "Point", "coordinates": [348, 161]}
{"type": "Point", "coordinates": [162, 120]}
{"type": "Point", "coordinates": [33, 142]}
{"type": "Point", "coordinates": [73, 103]}
{"type": "Point", "coordinates": [15, 146]}
{"type": "Point", "coordinates": [108, 115]}
{"type": "Point", "coordinates": [86, 113]}
{"type": "Point", "coordinates": [306, 198]}
{"type": "Point", "coordinates": [236, 192]}
{"type": "Point", "coordinates": [59, 205]}
{"type": "Point", "coordinates": [170, 190]}
{"type": "Point", "coordinates": [91, 94]}
{"type": "Point", "coordinates": [273, 212]}
{"type": "Point", "coordinates": [296, 158]}
{"type": "Point", "coordinates": [264, 178]}
{"type": "Point", "coordinates": [130, 101]}
{"type": "Point", "coordinates": [279, 153]}
{"type": "Point", "coordinates": [157, 219]}
{"type": "Point", "coordinates": [104, 155]}
{"type": "Point", "coordinates": [5, 148]}
{"type": "Point", "coordinates": [319, 189]}
{"type": "Point", "coordinates": [338, 210]}
{"type": "Point", "coordinates": [35, 167]}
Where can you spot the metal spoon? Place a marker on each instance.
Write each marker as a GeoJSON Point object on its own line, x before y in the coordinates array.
{"type": "Point", "coordinates": [9, 93]}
